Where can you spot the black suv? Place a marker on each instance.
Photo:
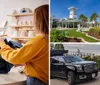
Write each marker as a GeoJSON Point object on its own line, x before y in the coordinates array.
{"type": "Point", "coordinates": [71, 67]}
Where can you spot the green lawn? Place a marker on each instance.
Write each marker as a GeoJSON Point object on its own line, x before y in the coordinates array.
{"type": "Point", "coordinates": [75, 34]}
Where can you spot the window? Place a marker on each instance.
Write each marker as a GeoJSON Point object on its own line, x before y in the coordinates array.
{"type": "Point", "coordinates": [73, 59]}
{"type": "Point", "coordinates": [59, 58]}
{"type": "Point", "coordinates": [52, 60]}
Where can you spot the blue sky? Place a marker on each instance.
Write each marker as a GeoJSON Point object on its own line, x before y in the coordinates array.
{"type": "Point", "coordinates": [59, 8]}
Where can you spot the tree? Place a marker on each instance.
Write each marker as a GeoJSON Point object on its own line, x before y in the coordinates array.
{"type": "Point", "coordinates": [59, 47]}
{"type": "Point", "coordinates": [53, 21]}
{"type": "Point", "coordinates": [93, 18]}
{"type": "Point", "coordinates": [83, 19]}
{"type": "Point", "coordinates": [54, 24]}
{"type": "Point", "coordinates": [52, 18]}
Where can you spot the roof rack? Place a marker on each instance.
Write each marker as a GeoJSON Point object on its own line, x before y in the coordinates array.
{"type": "Point", "coordinates": [57, 52]}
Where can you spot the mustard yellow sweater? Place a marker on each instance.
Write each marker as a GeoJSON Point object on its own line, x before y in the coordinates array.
{"type": "Point", "coordinates": [34, 54]}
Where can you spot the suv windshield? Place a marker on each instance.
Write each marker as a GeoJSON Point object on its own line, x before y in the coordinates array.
{"type": "Point", "coordinates": [73, 59]}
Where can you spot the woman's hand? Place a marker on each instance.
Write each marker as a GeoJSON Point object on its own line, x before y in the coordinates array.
{"type": "Point", "coordinates": [1, 39]}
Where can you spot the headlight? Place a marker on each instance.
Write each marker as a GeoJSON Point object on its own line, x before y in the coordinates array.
{"type": "Point", "coordinates": [96, 67]}
{"type": "Point", "coordinates": [79, 68]}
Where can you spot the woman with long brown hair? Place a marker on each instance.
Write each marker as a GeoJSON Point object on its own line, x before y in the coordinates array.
{"type": "Point", "coordinates": [34, 54]}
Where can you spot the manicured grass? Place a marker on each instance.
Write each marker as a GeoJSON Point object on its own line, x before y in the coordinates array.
{"type": "Point", "coordinates": [75, 34]}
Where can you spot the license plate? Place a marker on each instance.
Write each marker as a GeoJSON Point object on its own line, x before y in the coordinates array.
{"type": "Point", "coordinates": [93, 75]}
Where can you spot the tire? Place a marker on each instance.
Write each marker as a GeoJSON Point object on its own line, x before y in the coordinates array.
{"type": "Point", "coordinates": [71, 78]}
{"type": "Point", "coordinates": [51, 77]}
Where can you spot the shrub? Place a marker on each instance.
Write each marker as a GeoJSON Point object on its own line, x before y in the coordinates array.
{"type": "Point", "coordinates": [57, 35]}
{"type": "Point", "coordinates": [95, 30]}
{"type": "Point", "coordinates": [95, 58]}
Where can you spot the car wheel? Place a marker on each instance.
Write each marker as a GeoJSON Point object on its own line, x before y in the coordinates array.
{"type": "Point", "coordinates": [71, 78]}
{"type": "Point", "coordinates": [51, 77]}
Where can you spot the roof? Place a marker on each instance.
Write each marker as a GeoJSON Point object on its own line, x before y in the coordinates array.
{"type": "Point", "coordinates": [72, 7]}
{"type": "Point", "coordinates": [68, 20]}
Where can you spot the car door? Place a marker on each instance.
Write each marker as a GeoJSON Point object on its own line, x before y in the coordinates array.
{"type": "Point", "coordinates": [54, 67]}
{"type": "Point", "coordinates": [62, 67]}
{"type": "Point", "coordinates": [58, 67]}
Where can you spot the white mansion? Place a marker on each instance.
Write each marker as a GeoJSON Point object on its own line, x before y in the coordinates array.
{"type": "Point", "coordinates": [72, 21]}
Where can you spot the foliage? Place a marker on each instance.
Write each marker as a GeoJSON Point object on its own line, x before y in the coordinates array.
{"type": "Point", "coordinates": [53, 21]}
{"type": "Point", "coordinates": [57, 35]}
{"type": "Point", "coordinates": [54, 25]}
{"type": "Point", "coordinates": [94, 16]}
{"type": "Point", "coordinates": [83, 18]}
{"type": "Point", "coordinates": [95, 31]}
{"type": "Point", "coordinates": [95, 58]}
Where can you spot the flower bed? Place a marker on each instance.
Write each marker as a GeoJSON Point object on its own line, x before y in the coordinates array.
{"type": "Point", "coordinates": [95, 32]}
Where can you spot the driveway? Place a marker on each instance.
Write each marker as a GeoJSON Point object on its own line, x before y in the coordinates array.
{"type": "Point", "coordinates": [59, 81]}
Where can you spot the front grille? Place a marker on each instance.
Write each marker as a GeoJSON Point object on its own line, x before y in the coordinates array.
{"type": "Point", "coordinates": [90, 67]}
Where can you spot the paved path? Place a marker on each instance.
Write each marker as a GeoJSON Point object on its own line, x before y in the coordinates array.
{"type": "Point", "coordinates": [58, 81]}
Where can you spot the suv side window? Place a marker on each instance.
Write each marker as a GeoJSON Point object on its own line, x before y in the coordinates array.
{"type": "Point", "coordinates": [61, 59]}
{"type": "Point", "coordinates": [58, 58]}
{"type": "Point", "coordinates": [52, 60]}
